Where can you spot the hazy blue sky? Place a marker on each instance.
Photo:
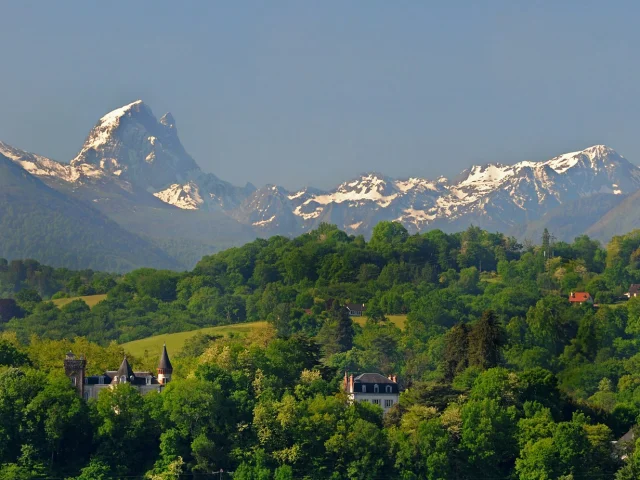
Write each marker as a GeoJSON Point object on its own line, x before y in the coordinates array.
{"type": "Point", "coordinates": [312, 93]}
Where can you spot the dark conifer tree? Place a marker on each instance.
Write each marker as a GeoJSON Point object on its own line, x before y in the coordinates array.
{"type": "Point", "coordinates": [485, 342]}
{"type": "Point", "coordinates": [456, 352]}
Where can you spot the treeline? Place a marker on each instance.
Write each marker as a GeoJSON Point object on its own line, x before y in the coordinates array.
{"type": "Point", "coordinates": [18, 275]}
{"type": "Point", "coordinates": [293, 281]}
{"type": "Point", "coordinates": [503, 377]}
{"type": "Point", "coordinates": [269, 407]}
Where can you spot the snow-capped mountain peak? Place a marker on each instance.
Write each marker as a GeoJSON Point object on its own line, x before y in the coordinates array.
{"type": "Point", "coordinates": [103, 130]}
{"type": "Point", "coordinates": [129, 142]}
{"type": "Point", "coordinates": [133, 150]}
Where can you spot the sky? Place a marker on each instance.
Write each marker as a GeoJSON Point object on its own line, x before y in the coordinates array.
{"type": "Point", "coordinates": [301, 93]}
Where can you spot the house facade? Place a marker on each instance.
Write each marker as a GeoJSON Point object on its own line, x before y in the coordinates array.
{"type": "Point", "coordinates": [373, 388]}
{"type": "Point", "coordinates": [91, 386]}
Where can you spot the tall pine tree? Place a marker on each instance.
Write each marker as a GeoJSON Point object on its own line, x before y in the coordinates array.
{"type": "Point", "coordinates": [485, 342]}
{"type": "Point", "coordinates": [456, 352]}
{"type": "Point", "coordinates": [336, 334]}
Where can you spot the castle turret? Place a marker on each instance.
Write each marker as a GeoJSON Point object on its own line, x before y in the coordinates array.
{"type": "Point", "coordinates": [125, 373]}
{"type": "Point", "coordinates": [75, 368]}
{"type": "Point", "coordinates": [165, 369]}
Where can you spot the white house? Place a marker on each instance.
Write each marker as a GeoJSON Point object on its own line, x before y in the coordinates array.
{"type": "Point", "coordinates": [373, 388]}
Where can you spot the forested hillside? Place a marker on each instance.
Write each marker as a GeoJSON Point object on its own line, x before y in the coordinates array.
{"type": "Point", "coordinates": [503, 377]}
{"type": "Point", "coordinates": [37, 221]}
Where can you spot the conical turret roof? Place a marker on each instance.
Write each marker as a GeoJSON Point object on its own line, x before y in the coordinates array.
{"type": "Point", "coordinates": [125, 369]}
{"type": "Point", "coordinates": [164, 363]}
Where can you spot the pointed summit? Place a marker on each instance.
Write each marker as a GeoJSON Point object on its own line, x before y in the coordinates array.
{"type": "Point", "coordinates": [168, 121]}
{"type": "Point", "coordinates": [131, 144]}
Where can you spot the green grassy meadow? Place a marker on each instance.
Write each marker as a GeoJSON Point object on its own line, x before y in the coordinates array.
{"type": "Point", "coordinates": [91, 300]}
{"type": "Point", "coordinates": [175, 341]}
{"type": "Point", "coordinates": [398, 320]}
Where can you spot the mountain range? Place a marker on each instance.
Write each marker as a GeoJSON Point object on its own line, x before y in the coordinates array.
{"type": "Point", "coordinates": [134, 186]}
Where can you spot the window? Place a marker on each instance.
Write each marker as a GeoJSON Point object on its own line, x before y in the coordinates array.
{"type": "Point", "coordinates": [123, 379]}
{"type": "Point", "coordinates": [376, 388]}
{"type": "Point", "coordinates": [86, 380]}
{"type": "Point", "coordinates": [364, 389]}
{"type": "Point", "coordinates": [74, 381]}
{"type": "Point", "coordinates": [101, 380]}
{"type": "Point", "coordinates": [376, 401]}
{"type": "Point", "coordinates": [389, 389]}
{"type": "Point", "coordinates": [149, 380]}
{"type": "Point", "coordinates": [388, 403]}
{"type": "Point", "coordinates": [86, 396]}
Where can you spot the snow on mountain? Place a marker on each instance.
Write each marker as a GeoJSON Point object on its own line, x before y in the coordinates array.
{"type": "Point", "coordinates": [186, 197]}
{"type": "Point", "coordinates": [131, 143]}
{"type": "Point", "coordinates": [130, 149]}
{"type": "Point", "coordinates": [45, 167]}
{"type": "Point", "coordinates": [270, 210]}
{"type": "Point", "coordinates": [501, 194]}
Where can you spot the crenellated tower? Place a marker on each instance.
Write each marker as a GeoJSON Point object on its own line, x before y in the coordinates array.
{"type": "Point", "coordinates": [75, 369]}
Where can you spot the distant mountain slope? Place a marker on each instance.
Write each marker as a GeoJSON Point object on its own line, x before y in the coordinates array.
{"type": "Point", "coordinates": [39, 222]}
{"type": "Point", "coordinates": [134, 168]}
{"type": "Point", "coordinates": [572, 219]}
{"type": "Point", "coordinates": [619, 220]}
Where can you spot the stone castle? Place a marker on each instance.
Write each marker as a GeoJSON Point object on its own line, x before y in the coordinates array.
{"type": "Point", "coordinates": [90, 386]}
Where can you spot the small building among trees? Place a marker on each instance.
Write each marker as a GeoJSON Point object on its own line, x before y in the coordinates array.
{"type": "Point", "coordinates": [374, 388]}
{"type": "Point", "coordinates": [580, 297]}
{"type": "Point", "coordinates": [634, 290]}
{"type": "Point", "coordinates": [355, 309]}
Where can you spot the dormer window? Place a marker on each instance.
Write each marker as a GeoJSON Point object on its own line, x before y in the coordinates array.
{"type": "Point", "coordinates": [149, 380]}
{"type": "Point", "coordinates": [101, 380]}
{"type": "Point", "coordinates": [364, 389]}
{"type": "Point", "coordinates": [376, 388]}
{"type": "Point", "coordinates": [123, 379]}
{"type": "Point", "coordinates": [388, 388]}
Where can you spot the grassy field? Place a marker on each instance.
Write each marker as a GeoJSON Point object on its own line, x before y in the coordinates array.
{"type": "Point", "coordinates": [175, 341]}
{"type": "Point", "coordinates": [91, 300]}
{"type": "Point", "coordinates": [399, 320]}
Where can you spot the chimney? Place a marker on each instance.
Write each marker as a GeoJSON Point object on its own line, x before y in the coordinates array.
{"type": "Point", "coordinates": [345, 382]}
{"type": "Point", "coordinates": [350, 383]}
{"type": "Point", "coordinates": [395, 378]}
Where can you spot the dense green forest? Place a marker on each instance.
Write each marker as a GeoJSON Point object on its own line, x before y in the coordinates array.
{"type": "Point", "coordinates": [36, 220]}
{"type": "Point", "coordinates": [502, 376]}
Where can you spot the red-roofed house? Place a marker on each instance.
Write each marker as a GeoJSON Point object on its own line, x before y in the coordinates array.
{"type": "Point", "coordinates": [580, 297]}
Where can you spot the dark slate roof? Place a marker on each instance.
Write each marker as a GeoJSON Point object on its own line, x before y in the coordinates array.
{"type": "Point", "coordinates": [95, 379]}
{"type": "Point", "coordinates": [358, 307]}
{"type": "Point", "coordinates": [125, 369]}
{"type": "Point", "coordinates": [164, 362]}
{"type": "Point", "coordinates": [372, 378]}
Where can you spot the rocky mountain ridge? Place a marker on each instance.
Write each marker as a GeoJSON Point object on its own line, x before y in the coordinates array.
{"type": "Point", "coordinates": [131, 159]}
